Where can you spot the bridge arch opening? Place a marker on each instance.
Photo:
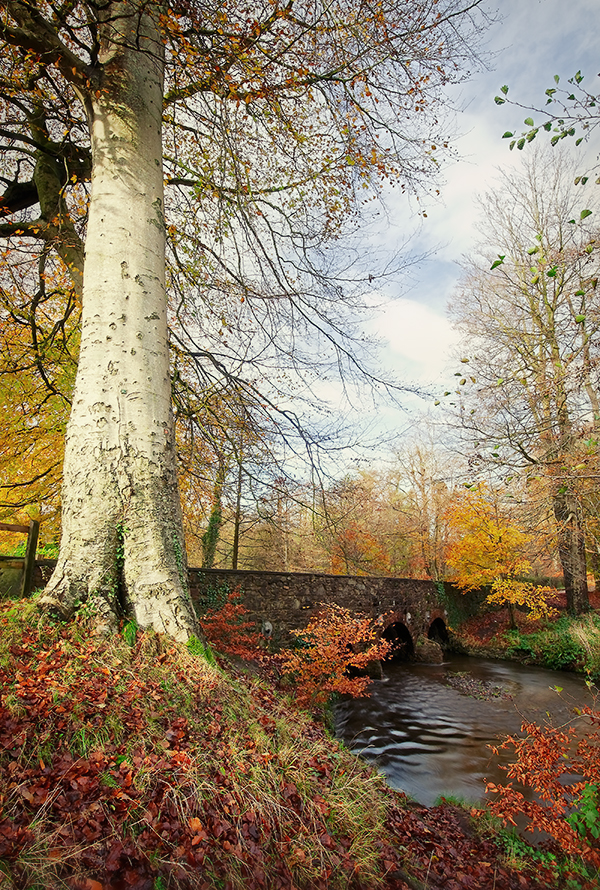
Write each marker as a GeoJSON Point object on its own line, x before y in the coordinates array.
{"type": "Point", "coordinates": [438, 632]}
{"type": "Point", "coordinates": [399, 636]}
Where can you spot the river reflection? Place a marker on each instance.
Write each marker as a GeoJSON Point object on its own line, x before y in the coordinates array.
{"type": "Point", "coordinates": [429, 739]}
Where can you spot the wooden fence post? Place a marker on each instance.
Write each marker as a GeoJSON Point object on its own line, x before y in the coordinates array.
{"type": "Point", "coordinates": [29, 563]}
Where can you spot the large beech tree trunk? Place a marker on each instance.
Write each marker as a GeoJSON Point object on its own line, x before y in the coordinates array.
{"type": "Point", "coordinates": [122, 549]}
{"type": "Point", "coordinates": [571, 550]}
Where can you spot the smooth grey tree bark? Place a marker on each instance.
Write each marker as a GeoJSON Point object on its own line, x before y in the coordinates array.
{"type": "Point", "coordinates": [122, 548]}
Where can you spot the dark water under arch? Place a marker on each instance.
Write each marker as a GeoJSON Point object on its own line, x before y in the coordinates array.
{"type": "Point", "coordinates": [430, 739]}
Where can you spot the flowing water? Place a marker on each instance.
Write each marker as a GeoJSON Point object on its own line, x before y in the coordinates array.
{"type": "Point", "coordinates": [430, 739]}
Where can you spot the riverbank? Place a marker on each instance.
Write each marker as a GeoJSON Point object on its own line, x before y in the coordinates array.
{"type": "Point", "coordinates": [561, 642]}
{"type": "Point", "coordinates": [132, 762]}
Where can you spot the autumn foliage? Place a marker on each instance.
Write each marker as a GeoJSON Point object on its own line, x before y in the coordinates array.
{"type": "Point", "coordinates": [356, 551]}
{"type": "Point", "coordinates": [37, 368]}
{"type": "Point", "coordinates": [565, 783]}
{"type": "Point", "coordinates": [227, 628]}
{"type": "Point", "coordinates": [334, 646]}
{"type": "Point", "coordinates": [490, 549]}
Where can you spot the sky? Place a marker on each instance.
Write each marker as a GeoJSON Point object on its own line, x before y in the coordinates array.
{"type": "Point", "coordinates": [532, 41]}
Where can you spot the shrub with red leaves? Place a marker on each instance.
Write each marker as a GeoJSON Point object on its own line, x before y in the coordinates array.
{"type": "Point", "coordinates": [566, 784]}
{"type": "Point", "coordinates": [335, 645]}
{"type": "Point", "coordinates": [229, 631]}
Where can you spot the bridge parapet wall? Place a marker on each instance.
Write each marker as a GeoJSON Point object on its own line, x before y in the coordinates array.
{"type": "Point", "coordinates": [288, 600]}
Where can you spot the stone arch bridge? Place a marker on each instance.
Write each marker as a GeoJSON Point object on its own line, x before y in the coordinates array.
{"type": "Point", "coordinates": [412, 613]}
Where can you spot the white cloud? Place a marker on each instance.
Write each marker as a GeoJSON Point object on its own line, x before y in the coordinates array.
{"type": "Point", "coordinates": [416, 339]}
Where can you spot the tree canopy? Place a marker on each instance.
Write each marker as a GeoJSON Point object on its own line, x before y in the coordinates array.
{"type": "Point", "coordinates": [528, 309]}
{"type": "Point", "coordinates": [188, 167]}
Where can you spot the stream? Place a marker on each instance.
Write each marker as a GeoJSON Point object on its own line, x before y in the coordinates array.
{"type": "Point", "coordinates": [428, 738]}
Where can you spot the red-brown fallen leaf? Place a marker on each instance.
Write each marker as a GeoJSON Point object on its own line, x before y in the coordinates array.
{"type": "Point", "coordinates": [113, 860]}
{"type": "Point", "coordinates": [26, 793]}
{"type": "Point", "coordinates": [195, 824]}
{"type": "Point", "coordinates": [90, 884]}
{"type": "Point", "coordinates": [326, 840]}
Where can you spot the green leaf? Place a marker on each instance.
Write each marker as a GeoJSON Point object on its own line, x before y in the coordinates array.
{"type": "Point", "coordinates": [556, 78]}
{"type": "Point", "coordinates": [507, 135]}
{"type": "Point", "coordinates": [572, 221]}
{"type": "Point", "coordinates": [504, 89]}
{"type": "Point", "coordinates": [498, 262]}
{"type": "Point", "coordinates": [528, 122]}
{"type": "Point", "coordinates": [437, 403]}
{"type": "Point", "coordinates": [462, 382]}
{"type": "Point", "coordinates": [551, 273]}
{"type": "Point", "coordinates": [512, 144]}
{"type": "Point", "coordinates": [550, 91]}
{"type": "Point", "coordinates": [499, 100]}
{"type": "Point", "coordinates": [465, 361]}
{"type": "Point", "coordinates": [580, 293]}
{"type": "Point", "coordinates": [520, 144]}
{"type": "Point", "coordinates": [579, 77]}
{"type": "Point", "coordinates": [533, 250]}
{"type": "Point", "coordinates": [580, 319]}
{"type": "Point", "coordinates": [548, 126]}
{"type": "Point", "coordinates": [129, 632]}
{"type": "Point", "coordinates": [584, 214]}
{"type": "Point", "coordinates": [579, 141]}
{"type": "Point", "coordinates": [499, 381]}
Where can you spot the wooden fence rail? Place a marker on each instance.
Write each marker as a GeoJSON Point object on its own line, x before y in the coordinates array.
{"type": "Point", "coordinates": [32, 531]}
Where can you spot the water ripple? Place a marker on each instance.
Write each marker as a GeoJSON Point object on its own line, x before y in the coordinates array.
{"type": "Point", "coordinates": [430, 739]}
